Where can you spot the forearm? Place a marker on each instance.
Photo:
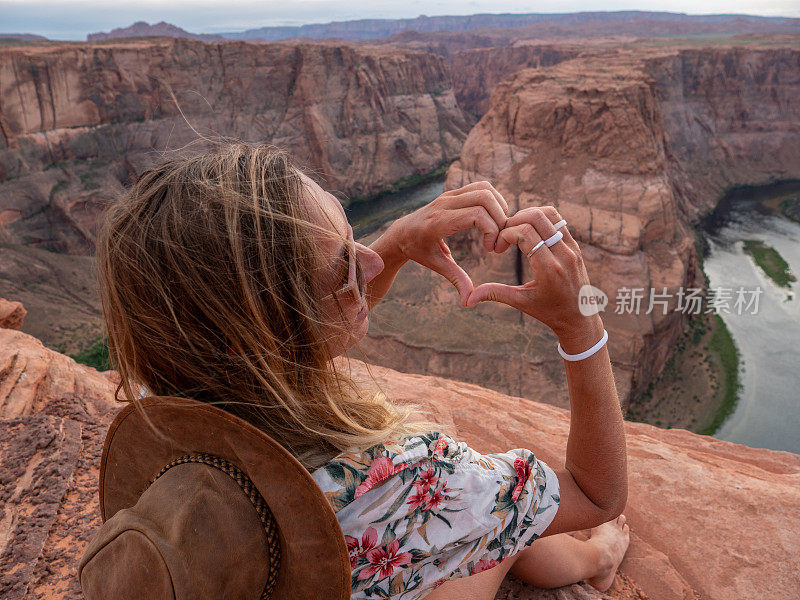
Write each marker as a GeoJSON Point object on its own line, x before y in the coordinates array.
{"type": "Point", "coordinates": [388, 247]}
{"type": "Point", "coordinates": [596, 455]}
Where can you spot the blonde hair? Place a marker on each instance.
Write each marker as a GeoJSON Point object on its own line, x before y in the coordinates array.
{"type": "Point", "coordinates": [206, 276]}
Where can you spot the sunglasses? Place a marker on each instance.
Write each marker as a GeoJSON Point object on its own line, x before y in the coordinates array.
{"type": "Point", "coordinates": [355, 276]}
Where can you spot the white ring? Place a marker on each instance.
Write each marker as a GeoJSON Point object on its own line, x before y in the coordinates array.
{"type": "Point", "coordinates": [535, 248]}
{"type": "Point", "coordinates": [554, 239]}
{"type": "Point", "coordinates": [560, 224]}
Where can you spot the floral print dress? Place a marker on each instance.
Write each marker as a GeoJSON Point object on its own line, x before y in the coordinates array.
{"type": "Point", "coordinates": [426, 509]}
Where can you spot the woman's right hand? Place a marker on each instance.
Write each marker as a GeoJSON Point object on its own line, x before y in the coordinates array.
{"type": "Point", "coordinates": [420, 234]}
{"type": "Point", "coordinates": [552, 296]}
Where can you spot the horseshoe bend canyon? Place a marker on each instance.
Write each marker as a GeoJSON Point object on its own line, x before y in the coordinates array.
{"type": "Point", "coordinates": [635, 141]}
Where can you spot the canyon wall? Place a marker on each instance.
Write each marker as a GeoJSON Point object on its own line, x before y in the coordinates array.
{"type": "Point", "coordinates": [477, 71]}
{"type": "Point", "coordinates": [693, 500]}
{"type": "Point", "coordinates": [630, 147]}
{"type": "Point", "coordinates": [77, 122]}
{"type": "Point", "coordinates": [731, 117]}
{"type": "Point", "coordinates": [631, 141]}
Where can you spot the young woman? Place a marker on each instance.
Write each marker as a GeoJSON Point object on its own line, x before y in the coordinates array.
{"type": "Point", "coordinates": [233, 278]}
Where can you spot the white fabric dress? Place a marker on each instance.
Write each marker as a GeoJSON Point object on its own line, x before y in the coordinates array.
{"type": "Point", "coordinates": [426, 509]}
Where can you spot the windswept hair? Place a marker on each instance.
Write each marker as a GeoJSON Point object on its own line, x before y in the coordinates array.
{"type": "Point", "coordinates": [207, 277]}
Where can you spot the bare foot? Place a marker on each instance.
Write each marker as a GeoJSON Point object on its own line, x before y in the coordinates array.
{"type": "Point", "coordinates": [612, 540]}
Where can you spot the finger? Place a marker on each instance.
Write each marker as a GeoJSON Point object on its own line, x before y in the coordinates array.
{"type": "Point", "coordinates": [448, 268]}
{"type": "Point", "coordinates": [527, 238]}
{"type": "Point", "coordinates": [522, 216]}
{"type": "Point", "coordinates": [544, 227]}
{"type": "Point", "coordinates": [517, 236]}
{"type": "Point", "coordinates": [482, 198]}
{"type": "Point", "coordinates": [570, 241]}
{"type": "Point", "coordinates": [481, 185]}
{"type": "Point", "coordinates": [555, 217]}
{"type": "Point", "coordinates": [515, 296]}
{"type": "Point", "coordinates": [475, 216]}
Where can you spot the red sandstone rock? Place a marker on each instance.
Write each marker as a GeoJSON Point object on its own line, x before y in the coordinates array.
{"type": "Point", "coordinates": [630, 146]}
{"type": "Point", "coordinates": [12, 314]}
{"type": "Point", "coordinates": [31, 376]}
{"type": "Point", "coordinates": [80, 121]}
{"type": "Point", "coordinates": [710, 519]}
{"type": "Point", "coordinates": [587, 138]}
{"type": "Point", "coordinates": [53, 417]}
{"type": "Point", "coordinates": [477, 71]}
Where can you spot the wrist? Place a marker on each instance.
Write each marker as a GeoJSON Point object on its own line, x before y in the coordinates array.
{"type": "Point", "coordinates": [390, 247]}
{"type": "Point", "coordinates": [581, 335]}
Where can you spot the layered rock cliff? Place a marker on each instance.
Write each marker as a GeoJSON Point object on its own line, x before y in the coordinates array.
{"type": "Point", "coordinates": [731, 117]}
{"type": "Point", "coordinates": [709, 519]}
{"type": "Point", "coordinates": [477, 71]}
{"type": "Point", "coordinates": [631, 147]}
{"type": "Point", "coordinates": [631, 141]}
{"type": "Point", "coordinates": [78, 122]}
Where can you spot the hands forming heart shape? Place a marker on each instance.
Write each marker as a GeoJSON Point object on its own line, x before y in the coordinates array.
{"type": "Point", "coordinates": [559, 273]}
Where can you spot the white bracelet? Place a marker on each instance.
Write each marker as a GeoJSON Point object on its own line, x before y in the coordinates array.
{"type": "Point", "coordinates": [585, 353]}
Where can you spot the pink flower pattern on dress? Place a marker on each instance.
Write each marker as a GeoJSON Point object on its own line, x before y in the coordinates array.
{"type": "Point", "coordinates": [425, 481]}
{"type": "Point", "coordinates": [523, 468]}
{"type": "Point", "coordinates": [438, 446]}
{"type": "Point", "coordinates": [356, 550]}
{"type": "Point", "coordinates": [427, 499]}
{"type": "Point", "coordinates": [384, 560]}
{"type": "Point", "coordinates": [380, 470]}
{"type": "Point", "coordinates": [426, 509]}
{"type": "Point", "coordinates": [418, 499]}
{"type": "Point", "coordinates": [484, 565]}
{"type": "Point", "coordinates": [435, 498]}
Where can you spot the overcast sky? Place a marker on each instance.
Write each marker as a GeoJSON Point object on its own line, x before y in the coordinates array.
{"type": "Point", "coordinates": [73, 19]}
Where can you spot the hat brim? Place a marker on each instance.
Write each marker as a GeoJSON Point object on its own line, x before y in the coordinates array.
{"type": "Point", "coordinates": [147, 435]}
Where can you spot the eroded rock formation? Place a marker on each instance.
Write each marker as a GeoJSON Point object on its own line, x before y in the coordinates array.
{"type": "Point", "coordinates": [693, 499]}
{"type": "Point", "coordinates": [12, 314]}
{"type": "Point", "coordinates": [477, 71]}
{"type": "Point", "coordinates": [631, 141]}
{"type": "Point", "coordinates": [78, 122]}
{"type": "Point", "coordinates": [631, 147]}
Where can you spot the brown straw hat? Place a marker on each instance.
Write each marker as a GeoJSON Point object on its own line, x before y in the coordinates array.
{"type": "Point", "coordinates": [199, 504]}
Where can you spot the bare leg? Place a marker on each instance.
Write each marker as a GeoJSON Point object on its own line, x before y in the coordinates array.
{"type": "Point", "coordinates": [550, 562]}
{"type": "Point", "coordinates": [481, 586]}
{"type": "Point", "coordinates": [558, 560]}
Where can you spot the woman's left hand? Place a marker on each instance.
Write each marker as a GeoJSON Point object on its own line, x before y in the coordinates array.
{"type": "Point", "coordinates": [420, 235]}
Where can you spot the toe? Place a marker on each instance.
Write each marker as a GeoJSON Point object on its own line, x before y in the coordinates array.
{"type": "Point", "coordinates": [621, 520]}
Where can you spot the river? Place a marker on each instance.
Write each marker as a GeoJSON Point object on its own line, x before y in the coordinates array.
{"type": "Point", "coordinates": [366, 217]}
{"type": "Point", "coordinates": [767, 414]}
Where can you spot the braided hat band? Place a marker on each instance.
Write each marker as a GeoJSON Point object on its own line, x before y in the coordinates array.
{"type": "Point", "coordinates": [255, 497]}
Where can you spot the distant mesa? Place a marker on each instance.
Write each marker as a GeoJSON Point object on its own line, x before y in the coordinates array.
{"type": "Point", "coordinates": [143, 29]}
{"type": "Point", "coordinates": [572, 25]}
{"type": "Point", "coordinates": [27, 37]}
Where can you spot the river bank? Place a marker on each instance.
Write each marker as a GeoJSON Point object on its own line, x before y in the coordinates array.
{"type": "Point", "coordinates": [699, 386]}
{"type": "Point", "coordinates": [733, 375]}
